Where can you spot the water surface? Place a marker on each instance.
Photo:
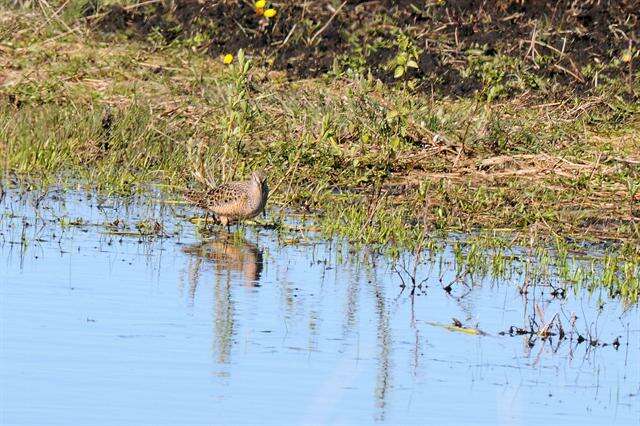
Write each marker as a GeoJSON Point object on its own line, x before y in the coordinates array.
{"type": "Point", "coordinates": [102, 326]}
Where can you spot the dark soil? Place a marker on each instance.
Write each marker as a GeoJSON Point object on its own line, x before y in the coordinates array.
{"type": "Point", "coordinates": [560, 42]}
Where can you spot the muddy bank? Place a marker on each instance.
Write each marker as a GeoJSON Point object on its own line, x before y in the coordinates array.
{"type": "Point", "coordinates": [456, 47]}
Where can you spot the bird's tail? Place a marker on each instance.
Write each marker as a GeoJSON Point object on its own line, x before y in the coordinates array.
{"type": "Point", "coordinates": [192, 196]}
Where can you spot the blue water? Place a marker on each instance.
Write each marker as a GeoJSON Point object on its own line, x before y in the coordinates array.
{"type": "Point", "coordinates": [268, 328]}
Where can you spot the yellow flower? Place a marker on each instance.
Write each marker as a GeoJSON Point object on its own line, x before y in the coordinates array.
{"type": "Point", "coordinates": [260, 4]}
{"type": "Point", "coordinates": [270, 13]}
{"type": "Point", "coordinates": [228, 58]}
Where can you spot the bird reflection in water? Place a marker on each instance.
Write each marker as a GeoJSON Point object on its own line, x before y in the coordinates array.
{"type": "Point", "coordinates": [227, 253]}
{"type": "Point", "coordinates": [233, 259]}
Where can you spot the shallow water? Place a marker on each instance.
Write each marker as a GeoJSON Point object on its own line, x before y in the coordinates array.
{"type": "Point", "coordinates": [100, 326]}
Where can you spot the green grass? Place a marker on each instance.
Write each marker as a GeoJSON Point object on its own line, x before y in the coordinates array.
{"type": "Point", "coordinates": [375, 164]}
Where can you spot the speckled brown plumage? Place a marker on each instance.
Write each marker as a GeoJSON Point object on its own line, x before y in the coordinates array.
{"type": "Point", "coordinates": [234, 201]}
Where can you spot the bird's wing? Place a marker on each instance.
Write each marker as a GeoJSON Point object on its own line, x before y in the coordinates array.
{"type": "Point", "coordinates": [226, 195]}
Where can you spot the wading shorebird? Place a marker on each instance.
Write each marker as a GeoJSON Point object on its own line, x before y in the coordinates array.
{"type": "Point", "coordinates": [234, 201]}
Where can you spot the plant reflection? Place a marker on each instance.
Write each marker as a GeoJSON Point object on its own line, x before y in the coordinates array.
{"type": "Point", "coordinates": [384, 343]}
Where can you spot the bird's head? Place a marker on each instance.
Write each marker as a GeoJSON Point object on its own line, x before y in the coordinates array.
{"type": "Point", "coordinates": [259, 177]}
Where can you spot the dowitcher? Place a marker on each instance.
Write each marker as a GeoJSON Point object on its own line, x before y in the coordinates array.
{"type": "Point", "coordinates": [234, 201]}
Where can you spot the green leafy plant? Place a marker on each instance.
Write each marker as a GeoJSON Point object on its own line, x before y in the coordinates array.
{"type": "Point", "coordinates": [407, 56]}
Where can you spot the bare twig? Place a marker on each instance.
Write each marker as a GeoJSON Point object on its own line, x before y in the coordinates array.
{"type": "Point", "coordinates": [324, 27]}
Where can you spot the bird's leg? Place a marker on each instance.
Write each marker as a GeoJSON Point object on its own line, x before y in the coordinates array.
{"type": "Point", "coordinates": [225, 222]}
